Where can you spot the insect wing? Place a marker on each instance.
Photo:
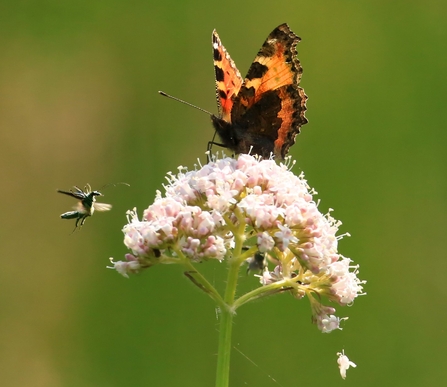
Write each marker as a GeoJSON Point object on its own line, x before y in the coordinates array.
{"type": "Point", "coordinates": [79, 194]}
{"type": "Point", "coordinates": [102, 206]}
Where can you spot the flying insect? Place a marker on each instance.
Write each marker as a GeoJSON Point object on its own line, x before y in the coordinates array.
{"type": "Point", "coordinates": [257, 262]}
{"type": "Point", "coordinates": [86, 206]}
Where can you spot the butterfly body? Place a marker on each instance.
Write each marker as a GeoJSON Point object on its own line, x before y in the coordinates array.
{"type": "Point", "coordinates": [263, 113]}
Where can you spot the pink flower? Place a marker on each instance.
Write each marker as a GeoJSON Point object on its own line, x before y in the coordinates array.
{"type": "Point", "coordinates": [254, 207]}
{"type": "Point", "coordinates": [130, 266]}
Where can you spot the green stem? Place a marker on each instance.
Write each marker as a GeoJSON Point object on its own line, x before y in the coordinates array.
{"type": "Point", "coordinates": [223, 355]}
{"type": "Point", "coordinates": [226, 315]}
{"type": "Point", "coordinates": [262, 291]}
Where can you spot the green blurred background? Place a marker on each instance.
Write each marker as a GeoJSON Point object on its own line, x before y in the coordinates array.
{"type": "Point", "coordinates": [79, 104]}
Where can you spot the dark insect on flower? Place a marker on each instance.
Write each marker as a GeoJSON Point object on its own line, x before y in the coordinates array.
{"type": "Point", "coordinates": [86, 206]}
{"type": "Point", "coordinates": [257, 263]}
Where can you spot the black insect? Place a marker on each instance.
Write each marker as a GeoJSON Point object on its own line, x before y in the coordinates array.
{"type": "Point", "coordinates": [257, 262]}
{"type": "Point", "coordinates": [86, 206]}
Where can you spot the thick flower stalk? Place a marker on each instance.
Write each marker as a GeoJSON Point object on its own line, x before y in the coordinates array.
{"type": "Point", "coordinates": [245, 210]}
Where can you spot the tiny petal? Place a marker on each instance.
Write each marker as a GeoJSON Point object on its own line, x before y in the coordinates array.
{"type": "Point", "coordinates": [125, 268]}
{"type": "Point", "coordinates": [285, 236]}
{"type": "Point", "coordinates": [329, 323]}
{"type": "Point", "coordinates": [344, 363]}
{"type": "Point", "coordinates": [265, 242]}
{"type": "Point", "coordinates": [346, 286]}
{"type": "Point", "coordinates": [324, 317]}
{"type": "Point", "coordinates": [214, 247]}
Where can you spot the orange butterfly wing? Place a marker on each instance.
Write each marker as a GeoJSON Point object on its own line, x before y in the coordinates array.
{"type": "Point", "coordinates": [228, 78]}
{"type": "Point", "coordinates": [264, 114]}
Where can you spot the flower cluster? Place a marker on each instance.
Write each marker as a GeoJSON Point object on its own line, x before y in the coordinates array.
{"type": "Point", "coordinates": [238, 209]}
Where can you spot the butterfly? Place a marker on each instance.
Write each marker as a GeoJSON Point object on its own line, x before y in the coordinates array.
{"type": "Point", "coordinates": [263, 113]}
{"type": "Point", "coordinates": [86, 204]}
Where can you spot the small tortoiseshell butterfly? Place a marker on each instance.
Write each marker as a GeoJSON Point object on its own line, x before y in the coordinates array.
{"type": "Point", "coordinates": [263, 113]}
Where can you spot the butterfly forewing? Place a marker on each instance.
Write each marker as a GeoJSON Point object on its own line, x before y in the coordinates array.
{"type": "Point", "coordinates": [267, 110]}
{"type": "Point", "coordinates": [228, 78]}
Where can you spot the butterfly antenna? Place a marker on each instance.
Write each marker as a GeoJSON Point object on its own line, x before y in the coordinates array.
{"type": "Point", "coordinates": [184, 102]}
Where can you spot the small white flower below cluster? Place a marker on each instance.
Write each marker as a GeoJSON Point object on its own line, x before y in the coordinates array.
{"type": "Point", "coordinates": [344, 363]}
